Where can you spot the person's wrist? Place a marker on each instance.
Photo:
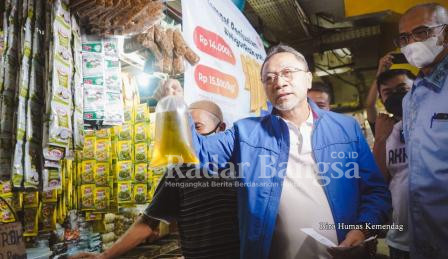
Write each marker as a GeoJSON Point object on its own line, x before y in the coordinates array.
{"type": "Point", "coordinates": [105, 255]}
{"type": "Point", "coordinates": [380, 139]}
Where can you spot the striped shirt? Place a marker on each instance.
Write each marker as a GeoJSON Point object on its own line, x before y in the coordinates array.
{"type": "Point", "coordinates": [206, 216]}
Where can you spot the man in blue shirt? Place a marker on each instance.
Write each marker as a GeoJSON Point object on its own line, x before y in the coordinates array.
{"type": "Point", "coordinates": [299, 168]}
{"type": "Point", "coordinates": [423, 40]}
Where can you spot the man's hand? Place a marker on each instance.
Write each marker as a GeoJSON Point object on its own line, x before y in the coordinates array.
{"type": "Point", "coordinates": [169, 87]}
{"type": "Point", "coordinates": [351, 248]}
{"type": "Point", "coordinates": [383, 126]}
{"type": "Point", "coordinates": [385, 63]}
{"type": "Point", "coordinates": [353, 238]}
{"type": "Point", "coordinates": [172, 87]}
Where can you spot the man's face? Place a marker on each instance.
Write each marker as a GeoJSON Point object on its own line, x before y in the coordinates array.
{"type": "Point", "coordinates": [416, 19]}
{"type": "Point", "coordinates": [320, 98]}
{"type": "Point", "coordinates": [393, 84]}
{"type": "Point", "coordinates": [204, 121]}
{"type": "Point", "coordinates": [286, 94]}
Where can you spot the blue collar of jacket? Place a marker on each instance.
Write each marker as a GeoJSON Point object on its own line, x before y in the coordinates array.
{"type": "Point", "coordinates": [436, 79]}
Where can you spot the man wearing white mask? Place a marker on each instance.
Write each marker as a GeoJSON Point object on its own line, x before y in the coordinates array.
{"type": "Point", "coordinates": [423, 40]}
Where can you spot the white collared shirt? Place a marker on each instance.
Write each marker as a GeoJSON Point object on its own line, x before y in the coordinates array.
{"type": "Point", "coordinates": [303, 203]}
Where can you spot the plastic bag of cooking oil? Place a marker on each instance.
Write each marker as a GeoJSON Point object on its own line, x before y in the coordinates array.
{"type": "Point", "coordinates": [173, 141]}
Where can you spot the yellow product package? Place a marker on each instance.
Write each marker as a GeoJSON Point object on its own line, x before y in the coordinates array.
{"type": "Point", "coordinates": [113, 148]}
{"type": "Point", "coordinates": [141, 152]}
{"type": "Point", "coordinates": [148, 130]}
{"type": "Point", "coordinates": [124, 192]}
{"type": "Point", "coordinates": [150, 151]}
{"type": "Point", "coordinates": [102, 150]}
{"type": "Point", "coordinates": [140, 132]}
{"type": "Point", "coordinates": [89, 133]}
{"type": "Point", "coordinates": [141, 173]}
{"type": "Point", "coordinates": [93, 216]}
{"type": "Point", "coordinates": [102, 133]}
{"type": "Point", "coordinates": [87, 171]}
{"type": "Point", "coordinates": [88, 150]}
{"type": "Point", "coordinates": [140, 192]}
{"type": "Point", "coordinates": [30, 222]}
{"type": "Point", "coordinates": [124, 170]}
{"type": "Point", "coordinates": [5, 187]}
{"type": "Point", "coordinates": [6, 215]}
{"type": "Point", "coordinates": [102, 174]}
{"type": "Point", "coordinates": [141, 113]}
{"type": "Point", "coordinates": [102, 197]}
{"type": "Point", "coordinates": [128, 114]}
{"type": "Point", "coordinates": [30, 199]}
{"type": "Point", "coordinates": [87, 193]}
{"type": "Point", "coordinates": [48, 216]}
{"type": "Point", "coordinates": [124, 149]}
{"type": "Point", "coordinates": [124, 132]}
{"type": "Point", "coordinates": [50, 196]}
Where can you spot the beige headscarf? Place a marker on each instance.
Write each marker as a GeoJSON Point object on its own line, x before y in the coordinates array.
{"type": "Point", "coordinates": [209, 106]}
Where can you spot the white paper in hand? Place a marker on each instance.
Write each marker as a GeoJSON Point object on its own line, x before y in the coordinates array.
{"type": "Point", "coordinates": [318, 237]}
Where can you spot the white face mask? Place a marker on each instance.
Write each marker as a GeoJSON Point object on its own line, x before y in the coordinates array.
{"type": "Point", "coordinates": [421, 54]}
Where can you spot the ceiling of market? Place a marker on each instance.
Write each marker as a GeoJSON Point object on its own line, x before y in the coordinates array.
{"type": "Point", "coordinates": [342, 39]}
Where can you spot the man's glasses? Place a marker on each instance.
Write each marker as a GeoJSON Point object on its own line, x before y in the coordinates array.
{"type": "Point", "coordinates": [287, 73]}
{"type": "Point", "coordinates": [421, 33]}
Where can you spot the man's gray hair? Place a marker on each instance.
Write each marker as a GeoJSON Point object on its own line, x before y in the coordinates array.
{"type": "Point", "coordinates": [440, 11]}
{"type": "Point", "coordinates": [281, 48]}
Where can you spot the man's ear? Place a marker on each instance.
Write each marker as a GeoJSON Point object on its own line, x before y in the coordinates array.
{"type": "Point", "coordinates": [222, 126]}
{"type": "Point", "coordinates": [445, 38]}
{"type": "Point", "coordinates": [310, 79]}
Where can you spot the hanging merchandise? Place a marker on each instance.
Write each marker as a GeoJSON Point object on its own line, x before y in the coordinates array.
{"type": "Point", "coordinates": [55, 82]}
{"type": "Point", "coordinates": [173, 140]}
{"type": "Point", "coordinates": [102, 81]}
{"type": "Point", "coordinates": [124, 17]}
{"type": "Point", "coordinates": [77, 87]}
{"type": "Point", "coordinates": [8, 87]}
{"type": "Point", "coordinates": [168, 49]}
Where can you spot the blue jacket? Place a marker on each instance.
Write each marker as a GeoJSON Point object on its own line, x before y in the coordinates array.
{"type": "Point", "coordinates": [262, 143]}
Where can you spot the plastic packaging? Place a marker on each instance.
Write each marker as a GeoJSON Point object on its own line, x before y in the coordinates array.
{"type": "Point", "coordinates": [173, 141]}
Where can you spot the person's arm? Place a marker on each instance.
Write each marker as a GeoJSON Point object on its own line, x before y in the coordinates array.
{"type": "Point", "coordinates": [379, 152]}
{"type": "Point", "coordinates": [370, 104]}
{"type": "Point", "coordinates": [383, 128]}
{"type": "Point", "coordinates": [375, 199]}
{"type": "Point", "coordinates": [211, 150]}
{"type": "Point", "coordinates": [143, 228]}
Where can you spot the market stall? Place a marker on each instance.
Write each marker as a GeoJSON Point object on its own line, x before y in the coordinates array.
{"type": "Point", "coordinates": [79, 81]}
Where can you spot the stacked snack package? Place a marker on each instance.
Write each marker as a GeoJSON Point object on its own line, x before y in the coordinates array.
{"type": "Point", "coordinates": [21, 94]}
{"type": "Point", "coordinates": [59, 105]}
{"type": "Point", "coordinates": [102, 80]}
{"type": "Point", "coordinates": [33, 144]}
{"type": "Point", "coordinates": [77, 87]}
{"type": "Point", "coordinates": [93, 80]}
{"type": "Point", "coordinates": [8, 85]}
{"type": "Point", "coordinates": [52, 80]}
{"type": "Point", "coordinates": [112, 167]}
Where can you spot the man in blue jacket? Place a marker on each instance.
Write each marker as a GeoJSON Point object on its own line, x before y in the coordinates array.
{"type": "Point", "coordinates": [299, 167]}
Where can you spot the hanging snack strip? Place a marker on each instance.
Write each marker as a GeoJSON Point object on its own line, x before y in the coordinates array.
{"type": "Point", "coordinates": [77, 87]}
{"type": "Point", "coordinates": [102, 81]}
{"type": "Point", "coordinates": [122, 17]}
{"type": "Point", "coordinates": [8, 85]}
{"type": "Point", "coordinates": [58, 130]}
{"type": "Point", "coordinates": [21, 94]}
{"type": "Point", "coordinates": [168, 48]}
